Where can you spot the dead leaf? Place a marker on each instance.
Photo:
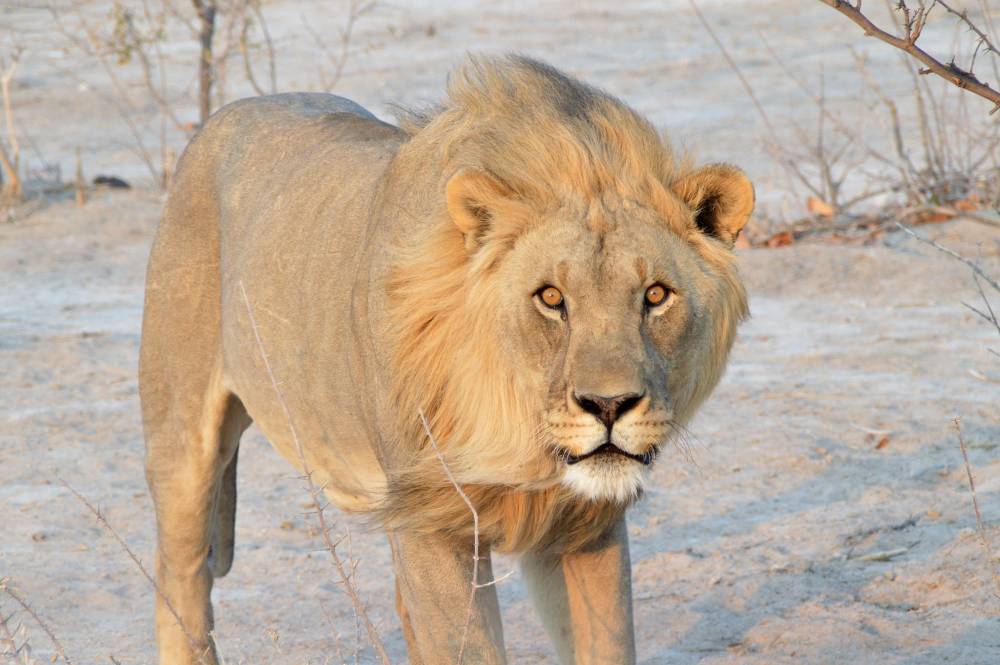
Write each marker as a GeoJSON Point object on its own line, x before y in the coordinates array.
{"type": "Point", "coordinates": [819, 207]}
{"type": "Point", "coordinates": [970, 204]}
{"type": "Point", "coordinates": [933, 217]}
{"type": "Point", "coordinates": [883, 441]}
{"type": "Point", "coordinates": [782, 239]}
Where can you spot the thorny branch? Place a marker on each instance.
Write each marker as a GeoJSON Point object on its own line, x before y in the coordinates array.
{"type": "Point", "coordinates": [955, 255]}
{"type": "Point", "coordinates": [316, 494]}
{"type": "Point", "coordinates": [192, 642]}
{"type": "Point", "coordinates": [914, 21]}
{"type": "Point", "coordinates": [5, 586]}
{"type": "Point", "coordinates": [978, 276]}
{"type": "Point", "coordinates": [8, 641]}
{"type": "Point", "coordinates": [475, 538]}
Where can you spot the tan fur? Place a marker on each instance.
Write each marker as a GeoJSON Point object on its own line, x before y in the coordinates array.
{"type": "Point", "coordinates": [393, 272]}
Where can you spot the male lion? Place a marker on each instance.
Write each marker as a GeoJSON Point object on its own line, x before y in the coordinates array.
{"type": "Point", "coordinates": [527, 265]}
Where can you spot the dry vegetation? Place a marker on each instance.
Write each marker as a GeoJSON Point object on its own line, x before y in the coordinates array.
{"type": "Point", "coordinates": [943, 162]}
{"type": "Point", "coordinates": [12, 190]}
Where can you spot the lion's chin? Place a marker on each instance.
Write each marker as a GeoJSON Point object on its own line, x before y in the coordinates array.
{"type": "Point", "coordinates": [615, 478]}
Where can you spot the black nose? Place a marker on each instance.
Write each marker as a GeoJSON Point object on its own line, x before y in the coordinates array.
{"type": "Point", "coordinates": [608, 409]}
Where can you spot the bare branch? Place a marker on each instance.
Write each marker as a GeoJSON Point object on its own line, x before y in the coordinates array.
{"type": "Point", "coordinates": [316, 494]}
{"type": "Point", "coordinates": [475, 536]}
{"type": "Point", "coordinates": [955, 255]}
{"type": "Point", "coordinates": [268, 45]}
{"type": "Point", "coordinates": [987, 548]}
{"type": "Point", "coordinates": [192, 642]}
{"type": "Point", "coordinates": [789, 164]}
{"type": "Point", "coordinates": [206, 31]}
{"type": "Point", "coordinates": [5, 585]}
{"type": "Point", "coordinates": [963, 16]}
{"type": "Point", "coordinates": [356, 10]}
{"type": "Point", "coordinates": [913, 25]}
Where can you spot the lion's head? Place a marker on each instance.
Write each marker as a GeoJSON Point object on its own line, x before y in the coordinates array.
{"type": "Point", "coordinates": [572, 301]}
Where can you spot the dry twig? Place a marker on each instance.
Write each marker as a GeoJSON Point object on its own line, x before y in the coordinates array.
{"type": "Point", "coordinates": [10, 156]}
{"type": "Point", "coordinates": [316, 494]}
{"type": "Point", "coordinates": [205, 10]}
{"type": "Point", "coordinates": [355, 11]}
{"type": "Point", "coordinates": [9, 647]}
{"type": "Point", "coordinates": [955, 255]}
{"type": "Point", "coordinates": [258, 14]}
{"type": "Point", "coordinates": [475, 538]}
{"type": "Point", "coordinates": [987, 548]}
{"type": "Point", "coordinates": [5, 586]}
{"type": "Point", "coordinates": [102, 520]}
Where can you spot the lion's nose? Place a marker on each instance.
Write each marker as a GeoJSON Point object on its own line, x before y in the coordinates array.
{"type": "Point", "coordinates": [608, 409]}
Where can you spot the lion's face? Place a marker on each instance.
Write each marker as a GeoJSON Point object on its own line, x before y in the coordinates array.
{"type": "Point", "coordinates": [561, 314]}
{"type": "Point", "coordinates": [598, 308]}
{"type": "Point", "coordinates": [567, 342]}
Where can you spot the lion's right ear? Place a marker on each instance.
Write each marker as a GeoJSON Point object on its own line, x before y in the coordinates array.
{"type": "Point", "coordinates": [722, 198]}
{"type": "Point", "coordinates": [472, 197]}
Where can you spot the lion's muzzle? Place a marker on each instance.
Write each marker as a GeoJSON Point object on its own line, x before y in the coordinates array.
{"type": "Point", "coordinates": [609, 448]}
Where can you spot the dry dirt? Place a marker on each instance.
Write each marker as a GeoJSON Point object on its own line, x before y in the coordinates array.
{"type": "Point", "coordinates": [828, 448]}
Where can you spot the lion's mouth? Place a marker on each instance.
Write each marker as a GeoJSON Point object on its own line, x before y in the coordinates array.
{"type": "Point", "coordinates": [611, 449]}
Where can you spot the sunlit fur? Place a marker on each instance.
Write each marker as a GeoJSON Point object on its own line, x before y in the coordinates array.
{"type": "Point", "coordinates": [615, 479]}
{"type": "Point", "coordinates": [556, 145]}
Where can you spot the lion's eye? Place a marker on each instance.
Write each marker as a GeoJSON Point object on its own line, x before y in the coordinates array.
{"type": "Point", "coordinates": [657, 294]}
{"type": "Point", "coordinates": [551, 297]}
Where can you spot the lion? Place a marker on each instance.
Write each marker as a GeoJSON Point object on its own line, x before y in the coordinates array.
{"type": "Point", "coordinates": [527, 266]}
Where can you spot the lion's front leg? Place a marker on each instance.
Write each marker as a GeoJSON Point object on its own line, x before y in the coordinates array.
{"type": "Point", "coordinates": [585, 599]}
{"type": "Point", "coordinates": [434, 583]}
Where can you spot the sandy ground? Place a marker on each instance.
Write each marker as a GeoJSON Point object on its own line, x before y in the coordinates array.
{"type": "Point", "coordinates": [760, 545]}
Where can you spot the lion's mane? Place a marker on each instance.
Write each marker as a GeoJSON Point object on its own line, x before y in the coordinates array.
{"type": "Point", "coordinates": [546, 137]}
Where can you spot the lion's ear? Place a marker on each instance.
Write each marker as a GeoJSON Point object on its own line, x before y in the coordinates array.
{"type": "Point", "coordinates": [472, 197]}
{"type": "Point", "coordinates": [722, 198]}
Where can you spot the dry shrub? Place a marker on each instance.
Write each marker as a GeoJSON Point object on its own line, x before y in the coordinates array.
{"type": "Point", "coordinates": [913, 146]}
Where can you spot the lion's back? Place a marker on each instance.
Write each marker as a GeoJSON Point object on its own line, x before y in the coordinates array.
{"type": "Point", "coordinates": [273, 195]}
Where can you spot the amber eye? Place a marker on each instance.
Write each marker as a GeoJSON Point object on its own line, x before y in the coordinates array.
{"type": "Point", "coordinates": [551, 297]}
{"type": "Point", "coordinates": [656, 295]}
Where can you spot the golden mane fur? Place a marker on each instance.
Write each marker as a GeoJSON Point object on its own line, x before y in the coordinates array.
{"type": "Point", "coordinates": [549, 140]}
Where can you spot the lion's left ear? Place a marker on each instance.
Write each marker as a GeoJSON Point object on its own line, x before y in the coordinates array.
{"type": "Point", "coordinates": [472, 197]}
{"type": "Point", "coordinates": [722, 198]}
